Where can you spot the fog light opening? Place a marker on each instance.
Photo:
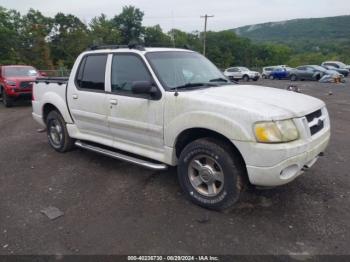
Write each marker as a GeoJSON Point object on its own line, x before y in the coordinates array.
{"type": "Point", "coordinates": [290, 172]}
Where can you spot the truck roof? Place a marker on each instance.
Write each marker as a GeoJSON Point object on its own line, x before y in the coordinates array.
{"type": "Point", "coordinates": [145, 50]}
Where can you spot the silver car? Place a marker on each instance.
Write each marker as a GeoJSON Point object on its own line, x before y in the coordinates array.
{"type": "Point", "coordinates": [238, 73]}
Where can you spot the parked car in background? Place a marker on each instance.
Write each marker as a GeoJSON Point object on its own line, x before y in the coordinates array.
{"type": "Point", "coordinates": [307, 72]}
{"type": "Point", "coordinates": [280, 73]}
{"type": "Point", "coordinates": [238, 73]}
{"type": "Point", "coordinates": [336, 64]}
{"type": "Point", "coordinates": [343, 71]}
{"type": "Point", "coordinates": [16, 81]}
{"type": "Point", "coordinates": [267, 71]}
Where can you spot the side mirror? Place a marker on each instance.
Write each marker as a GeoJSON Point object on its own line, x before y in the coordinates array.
{"type": "Point", "coordinates": [44, 74]}
{"type": "Point", "coordinates": [143, 87]}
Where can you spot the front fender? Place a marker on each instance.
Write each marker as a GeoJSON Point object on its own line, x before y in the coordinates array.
{"type": "Point", "coordinates": [229, 128]}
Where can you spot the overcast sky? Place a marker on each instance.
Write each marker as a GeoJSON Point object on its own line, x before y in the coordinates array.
{"type": "Point", "coordinates": [185, 14]}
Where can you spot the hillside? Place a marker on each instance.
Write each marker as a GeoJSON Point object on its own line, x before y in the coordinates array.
{"type": "Point", "coordinates": [322, 30]}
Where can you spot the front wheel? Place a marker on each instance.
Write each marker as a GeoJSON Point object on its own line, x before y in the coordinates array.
{"type": "Point", "coordinates": [57, 132]}
{"type": "Point", "coordinates": [210, 174]}
{"type": "Point", "coordinates": [271, 77]}
{"type": "Point", "coordinates": [8, 102]}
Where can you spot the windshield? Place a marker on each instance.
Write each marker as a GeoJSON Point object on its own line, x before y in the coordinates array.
{"type": "Point", "coordinates": [179, 68]}
{"type": "Point", "coordinates": [342, 65]}
{"type": "Point", "coordinates": [20, 71]}
{"type": "Point", "coordinates": [244, 69]}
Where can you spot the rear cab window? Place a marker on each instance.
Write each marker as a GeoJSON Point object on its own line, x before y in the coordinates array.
{"type": "Point", "coordinates": [91, 73]}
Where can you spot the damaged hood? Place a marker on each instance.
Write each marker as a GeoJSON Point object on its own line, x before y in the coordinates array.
{"type": "Point", "coordinates": [268, 102]}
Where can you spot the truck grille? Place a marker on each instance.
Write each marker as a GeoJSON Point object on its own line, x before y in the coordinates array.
{"type": "Point", "coordinates": [315, 121]}
{"type": "Point", "coordinates": [26, 84]}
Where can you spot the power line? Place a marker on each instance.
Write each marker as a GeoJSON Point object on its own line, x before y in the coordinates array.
{"type": "Point", "coordinates": [205, 31]}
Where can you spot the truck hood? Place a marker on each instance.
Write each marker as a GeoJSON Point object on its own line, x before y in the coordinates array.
{"type": "Point", "coordinates": [20, 78]}
{"type": "Point", "coordinates": [273, 103]}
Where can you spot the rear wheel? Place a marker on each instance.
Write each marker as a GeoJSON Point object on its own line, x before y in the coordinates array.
{"type": "Point", "coordinates": [271, 77]}
{"type": "Point", "coordinates": [293, 78]}
{"type": "Point", "coordinates": [210, 174]}
{"type": "Point", "coordinates": [246, 78]}
{"type": "Point", "coordinates": [8, 102]}
{"type": "Point", "coordinates": [57, 132]}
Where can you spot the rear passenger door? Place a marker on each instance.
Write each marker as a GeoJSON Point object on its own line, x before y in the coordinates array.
{"type": "Point", "coordinates": [135, 120]}
{"type": "Point", "coordinates": [87, 99]}
{"type": "Point", "coordinates": [236, 73]}
{"type": "Point", "coordinates": [302, 72]}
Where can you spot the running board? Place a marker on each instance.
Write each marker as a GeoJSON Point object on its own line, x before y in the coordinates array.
{"type": "Point", "coordinates": [119, 156]}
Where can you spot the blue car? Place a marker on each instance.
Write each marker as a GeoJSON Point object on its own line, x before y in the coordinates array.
{"type": "Point", "coordinates": [279, 73]}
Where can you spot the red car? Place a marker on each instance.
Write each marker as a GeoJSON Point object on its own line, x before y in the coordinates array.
{"type": "Point", "coordinates": [16, 81]}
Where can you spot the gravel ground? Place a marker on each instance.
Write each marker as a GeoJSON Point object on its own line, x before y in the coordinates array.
{"type": "Point", "coordinates": [111, 207]}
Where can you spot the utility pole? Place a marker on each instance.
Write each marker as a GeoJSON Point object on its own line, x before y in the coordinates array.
{"type": "Point", "coordinates": [205, 31]}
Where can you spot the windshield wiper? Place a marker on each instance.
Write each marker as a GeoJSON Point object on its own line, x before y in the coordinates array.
{"type": "Point", "coordinates": [220, 79]}
{"type": "Point", "coordinates": [189, 85]}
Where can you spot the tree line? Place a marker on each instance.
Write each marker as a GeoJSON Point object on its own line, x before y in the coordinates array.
{"type": "Point", "coordinates": [55, 42]}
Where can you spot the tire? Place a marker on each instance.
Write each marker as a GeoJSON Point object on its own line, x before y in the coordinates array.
{"type": "Point", "coordinates": [57, 133]}
{"type": "Point", "coordinates": [246, 78]}
{"type": "Point", "coordinates": [263, 77]}
{"type": "Point", "coordinates": [271, 77]}
{"type": "Point", "coordinates": [293, 78]}
{"type": "Point", "coordinates": [8, 102]}
{"type": "Point", "coordinates": [318, 77]}
{"type": "Point", "coordinates": [197, 164]}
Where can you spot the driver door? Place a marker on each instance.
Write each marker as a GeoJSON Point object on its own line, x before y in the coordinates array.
{"type": "Point", "coordinates": [135, 120]}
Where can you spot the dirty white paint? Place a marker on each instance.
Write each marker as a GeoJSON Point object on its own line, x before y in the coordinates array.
{"type": "Point", "coordinates": [150, 128]}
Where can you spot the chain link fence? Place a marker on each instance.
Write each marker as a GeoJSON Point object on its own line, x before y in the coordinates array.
{"type": "Point", "coordinates": [55, 73]}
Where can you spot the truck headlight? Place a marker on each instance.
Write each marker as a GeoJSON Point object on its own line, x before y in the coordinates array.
{"type": "Point", "coordinates": [276, 131]}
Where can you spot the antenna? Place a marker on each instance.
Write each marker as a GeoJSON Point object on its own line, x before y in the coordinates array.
{"type": "Point", "coordinates": [205, 31]}
{"type": "Point", "coordinates": [172, 30]}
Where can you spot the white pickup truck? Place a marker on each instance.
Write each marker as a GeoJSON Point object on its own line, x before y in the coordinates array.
{"type": "Point", "coordinates": [160, 107]}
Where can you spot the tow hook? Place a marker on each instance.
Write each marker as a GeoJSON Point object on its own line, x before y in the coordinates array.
{"type": "Point", "coordinates": [310, 164]}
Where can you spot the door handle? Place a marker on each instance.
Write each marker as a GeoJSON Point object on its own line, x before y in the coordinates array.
{"type": "Point", "coordinates": [113, 102]}
{"type": "Point", "coordinates": [75, 96]}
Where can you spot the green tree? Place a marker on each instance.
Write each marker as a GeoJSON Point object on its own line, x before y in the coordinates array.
{"type": "Point", "coordinates": [154, 36]}
{"type": "Point", "coordinates": [10, 30]}
{"type": "Point", "coordinates": [103, 31]}
{"type": "Point", "coordinates": [69, 37]}
{"type": "Point", "coordinates": [35, 49]}
{"type": "Point", "coordinates": [129, 23]}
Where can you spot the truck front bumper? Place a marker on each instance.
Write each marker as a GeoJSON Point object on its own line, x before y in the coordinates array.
{"type": "Point", "coordinates": [292, 159]}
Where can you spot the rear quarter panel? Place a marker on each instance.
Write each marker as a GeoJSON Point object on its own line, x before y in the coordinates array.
{"type": "Point", "coordinates": [51, 93]}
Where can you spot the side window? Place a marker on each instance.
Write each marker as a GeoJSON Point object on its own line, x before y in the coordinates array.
{"type": "Point", "coordinates": [126, 69]}
{"type": "Point", "coordinates": [335, 65]}
{"type": "Point", "coordinates": [91, 73]}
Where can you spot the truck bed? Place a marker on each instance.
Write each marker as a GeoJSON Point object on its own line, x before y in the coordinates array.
{"type": "Point", "coordinates": [48, 80]}
{"type": "Point", "coordinates": [50, 90]}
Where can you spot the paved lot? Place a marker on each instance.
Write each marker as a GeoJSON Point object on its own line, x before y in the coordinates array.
{"type": "Point", "coordinates": [111, 207]}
